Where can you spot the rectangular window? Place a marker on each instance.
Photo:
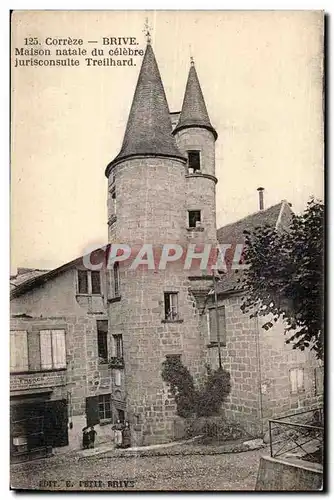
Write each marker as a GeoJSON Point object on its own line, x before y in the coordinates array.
{"type": "Point", "coordinates": [296, 380]}
{"type": "Point", "coordinates": [118, 346]}
{"type": "Point", "coordinates": [96, 282]}
{"type": "Point", "coordinates": [116, 280]}
{"type": "Point", "coordinates": [53, 349]}
{"type": "Point", "coordinates": [212, 325]}
{"type": "Point", "coordinates": [82, 281]}
{"type": "Point", "coordinates": [171, 306]}
{"type": "Point", "coordinates": [194, 218]}
{"type": "Point", "coordinates": [89, 282]}
{"type": "Point", "coordinates": [105, 407]}
{"type": "Point", "coordinates": [194, 160]}
{"type": "Point", "coordinates": [18, 351]}
{"type": "Point", "coordinates": [102, 340]}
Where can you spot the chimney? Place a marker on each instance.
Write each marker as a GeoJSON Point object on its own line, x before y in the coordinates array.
{"type": "Point", "coordinates": [261, 203]}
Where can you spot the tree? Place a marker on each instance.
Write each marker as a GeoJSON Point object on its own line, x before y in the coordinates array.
{"type": "Point", "coordinates": [284, 277]}
{"type": "Point", "coordinates": [190, 401]}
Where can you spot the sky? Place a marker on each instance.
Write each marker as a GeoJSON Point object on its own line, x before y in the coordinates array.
{"type": "Point", "coordinates": [261, 76]}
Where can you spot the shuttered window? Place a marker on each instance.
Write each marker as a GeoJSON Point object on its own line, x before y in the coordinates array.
{"type": "Point", "coordinates": [53, 349]}
{"type": "Point", "coordinates": [18, 351]}
{"type": "Point", "coordinates": [212, 325]}
{"type": "Point", "coordinates": [319, 379]}
{"type": "Point", "coordinates": [296, 380]}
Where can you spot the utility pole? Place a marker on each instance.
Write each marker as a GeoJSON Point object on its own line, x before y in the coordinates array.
{"type": "Point", "coordinates": [217, 318]}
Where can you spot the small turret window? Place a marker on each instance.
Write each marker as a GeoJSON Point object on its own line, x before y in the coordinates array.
{"type": "Point", "coordinates": [194, 161]}
{"type": "Point", "coordinates": [194, 218]}
{"type": "Point", "coordinates": [112, 203]}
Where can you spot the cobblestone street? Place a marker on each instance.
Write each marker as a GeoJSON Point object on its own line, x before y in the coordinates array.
{"type": "Point", "coordinates": [235, 471]}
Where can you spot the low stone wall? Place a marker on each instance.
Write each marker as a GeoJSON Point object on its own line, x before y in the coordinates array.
{"type": "Point", "coordinates": [288, 475]}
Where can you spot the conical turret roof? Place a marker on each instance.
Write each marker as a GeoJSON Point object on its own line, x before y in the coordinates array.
{"type": "Point", "coordinates": [149, 129]}
{"type": "Point", "coordinates": [194, 112]}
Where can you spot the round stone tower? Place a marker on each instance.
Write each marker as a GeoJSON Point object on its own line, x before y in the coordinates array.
{"type": "Point", "coordinates": [195, 138]}
{"type": "Point", "coordinates": [153, 309]}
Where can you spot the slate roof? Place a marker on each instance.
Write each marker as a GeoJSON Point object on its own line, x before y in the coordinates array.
{"type": "Point", "coordinates": [194, 112]}
{"type": "Point", "coordinates": [233, 233]}
{"type": "Point", "coordinates": [25, 274]}
{"type": "Point", "coordinates": [149, 128]}
{"type": "Point", "coordinates": [34, 280]}
{"type": "Point", "coordinates": [278, 215]}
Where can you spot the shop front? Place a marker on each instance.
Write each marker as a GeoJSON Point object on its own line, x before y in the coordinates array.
{"type": "Point", "coordinates": [38, 421]}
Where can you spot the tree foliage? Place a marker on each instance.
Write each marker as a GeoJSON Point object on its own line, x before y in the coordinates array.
{"type": "Point", "coordinates": [216, 388]}
{"type": "Point", "coordinates": [284, 277]}
{"type": "Point", "coordinates": [181, 384]}
{"type": "Point", "coordinates": [206, 401]}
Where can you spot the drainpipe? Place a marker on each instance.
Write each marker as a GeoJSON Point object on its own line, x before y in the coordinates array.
{"type": "Point", "coordinates": [217, 319]}
{"type": "Point", "coordinates": [258, 356]}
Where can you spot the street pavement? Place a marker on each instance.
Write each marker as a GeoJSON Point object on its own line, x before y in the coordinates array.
{"type": "Point", "coordinates": [233, 471]}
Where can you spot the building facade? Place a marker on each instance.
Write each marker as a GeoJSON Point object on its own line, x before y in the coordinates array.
{"type": "Point", "coordinates": [66, 370]}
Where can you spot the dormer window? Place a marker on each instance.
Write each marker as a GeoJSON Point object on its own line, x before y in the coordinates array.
{"type": "Point", "coordinates": [194, 161]}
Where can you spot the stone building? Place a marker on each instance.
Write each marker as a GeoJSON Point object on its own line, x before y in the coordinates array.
{"type": "Point", "coordinates": [92, 343]}
{"type": "Point", "coordinates": [66, 371]}
{"type": "Point", "coordinates": [269, 378]}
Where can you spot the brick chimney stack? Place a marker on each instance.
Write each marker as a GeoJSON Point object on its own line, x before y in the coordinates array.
{"type": "Point", "coordinates": [261, 202]}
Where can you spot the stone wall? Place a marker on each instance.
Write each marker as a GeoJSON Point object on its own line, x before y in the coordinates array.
{"type": "Point", "coordinates": [147, 339]}
{"type": "Point", "coordinates": [259, 362]}
{"type": "Point", "coordinates": [240, 358]}
{"type": "Point", "coordinates": [277, 359]}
